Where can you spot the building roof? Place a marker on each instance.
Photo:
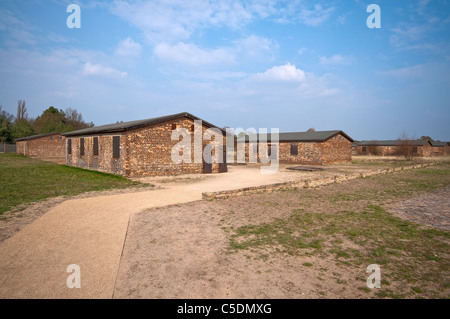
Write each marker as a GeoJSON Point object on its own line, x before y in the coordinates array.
{"type": "Point", "coordinates": [390, 143]}
{"type": "Point", "coordinates": [125, 126]}
{"type": "Point", "coordinates": [35, 137]}
{"type": "Point", "coordinates": [437, 143]}
{"type": "Point", "coordinates": [318, 136]}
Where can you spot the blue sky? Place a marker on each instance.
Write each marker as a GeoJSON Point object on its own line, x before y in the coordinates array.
{"type": "Point", "coordinates": [290, 65]}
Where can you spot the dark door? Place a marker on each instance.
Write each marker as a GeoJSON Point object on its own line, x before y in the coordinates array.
{"type": "Point", "coordinates": [207, 159]}
{"type": "Point", "coordinates": [223, 166]}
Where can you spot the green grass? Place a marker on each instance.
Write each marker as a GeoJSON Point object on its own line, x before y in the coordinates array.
{"type": "Point", "coordinates": [24, 180]}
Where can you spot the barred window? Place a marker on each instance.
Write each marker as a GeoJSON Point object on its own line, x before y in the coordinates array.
{"type": "Point", "coordinates": [294, 149]}
{"type": "Point", "coordinates": [95, 150]}
{"type": "Point", "coordinates": [69, 146]}
{"type": "Point", "coordinates": [116, 146]}
{"type": "Point", "coordinates": [81, 146]}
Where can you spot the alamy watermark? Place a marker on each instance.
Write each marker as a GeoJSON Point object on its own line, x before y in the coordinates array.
{"type": "Point", "coordinates": [374, 20]}
{"type": "Point", "coordinates": [74, 279]}
{"type": "Point", "coordinates": [374, 280]}
{"type": "Point", "coordinates": [74, 19]}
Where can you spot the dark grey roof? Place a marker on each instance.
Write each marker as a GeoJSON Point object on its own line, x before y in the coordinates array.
{"type": "Point", "coordinates": [390, 142]}
{"type": "Point", "coordinates": [35, 136]}
{"type": "Point", "coordinates": [436, 143]}
{"type": "Point", "coordinates": [125, 126]}
{"type": "Point", "coordinates": [319, 136]}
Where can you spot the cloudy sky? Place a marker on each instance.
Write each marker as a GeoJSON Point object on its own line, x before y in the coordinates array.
{"type": "Point", "coordinates": [290, 65]}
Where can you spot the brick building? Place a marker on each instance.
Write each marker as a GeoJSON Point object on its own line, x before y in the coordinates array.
{"type": "Point", "coordinates": [440, 148]}
{"type": "Point", "coordinates": [322, 147]}
{"type": "Point", "coordinates": [144, 147]}
{"type": "Point", "coordinates": [47, 147]}
{"type": "Point", "coordinates": [421, 148]}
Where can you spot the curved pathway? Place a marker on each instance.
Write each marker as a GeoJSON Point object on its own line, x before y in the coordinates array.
{"type": "Point", "coordinates": [90, 232]}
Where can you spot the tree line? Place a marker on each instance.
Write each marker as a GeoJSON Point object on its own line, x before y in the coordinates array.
{"type": "Point", "coordinates": [52, 120]}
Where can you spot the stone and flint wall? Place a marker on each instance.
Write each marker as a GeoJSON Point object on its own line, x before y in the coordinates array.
{"type": "Point", "coordinates": [145, 151]}
{"type": "Point", "coordinates": [305, 183]}
{"type": "Point", "coordinates": [337, 149]}
{"type": "Point", "coordinates": [104, 160]}
{"type": "Point", "coordinates": [49, 147]}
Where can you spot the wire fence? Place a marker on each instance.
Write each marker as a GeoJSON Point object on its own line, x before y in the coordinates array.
{"type": "Point", "coordinates": [7, 148]}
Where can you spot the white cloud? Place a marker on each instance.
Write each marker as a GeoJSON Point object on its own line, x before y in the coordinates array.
{"type": "Point", "coordinates": [336, 59]}
{"type": "Point", "coordinates": [97, 69]}
{"type": "Point", "coordinates": [18, 30]}
{"type": "Point", "coordinates": [177, 20]}
{"type": "Point", "coordinates": [287, 72]}
{"type": "Point", "coordinates": [192, 55]}
{"type": "Point", "coordinates": [302, 50]}
{"type": "Point", "coordinates": [128, 48]}
{"type": "Point", "coordinates": [256, 47]}
{"type": "Point", "coordinates": [316, 16]}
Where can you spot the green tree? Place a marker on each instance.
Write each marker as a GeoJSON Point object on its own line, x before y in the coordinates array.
{"type": "Point", "coordinates": [6, 121]}
{"type": "Point", "coordinates": [51, 120]}
{"type": "Point", "coordinates": [21, 129]}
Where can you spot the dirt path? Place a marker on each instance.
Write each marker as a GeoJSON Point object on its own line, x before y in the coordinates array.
{"type": "Point", "coordinates": [90, 232]}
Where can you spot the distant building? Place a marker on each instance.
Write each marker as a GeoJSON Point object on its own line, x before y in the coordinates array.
{"type": "Point", "coordinates": [422, 148]}
{"type": "Point", "coordinates": [440, 148]}
{"type": "Point", "coordinates": [46, 147]}
{"type": "Point", "coordinates": [317, 148]}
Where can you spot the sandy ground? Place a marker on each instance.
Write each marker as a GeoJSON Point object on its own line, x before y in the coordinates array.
{"type": "Point", "coordinates": [181, 252]}
{"type": "Point", "coordinates": [90, 232]}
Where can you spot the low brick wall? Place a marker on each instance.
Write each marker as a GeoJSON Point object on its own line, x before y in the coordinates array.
{"type": "Point", "coordinates": [306, 182]}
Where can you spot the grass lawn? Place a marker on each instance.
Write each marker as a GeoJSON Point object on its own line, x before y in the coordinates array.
{"type": "Point", "coordinates": [24, 180]}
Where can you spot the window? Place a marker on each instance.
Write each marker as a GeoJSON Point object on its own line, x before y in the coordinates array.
{"type": "Point", "coordinates": [69, 146]}
{"type": "Point", "coordinates": [81, 146]}
{"type": "Point", "coordinates": [294, 149]}
{"type": "Point", "coordinates": [269, 150]}
{"type": "Point", "coordinates": [116, 146]}
{"type": "Point", "coordinates": [95, 146]}
{"type": "Point", "coordinates": [51, 137]}
{"type": "Point", "coordinates": [192, 128]}
{"type": "Point", "coordinates": [414, 150]}
{"type": "Point", "coordinates": [174, 126]}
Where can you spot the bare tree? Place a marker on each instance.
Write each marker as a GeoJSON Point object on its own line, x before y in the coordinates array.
{"type": "Point", "coordinates": [407, 146]}
{"type": "Point", "coordinates": [373, 150]}
{"type": "Point", "coordinates": [75, 119]}
{"type": "Point", "coordinates": [22, 113]}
